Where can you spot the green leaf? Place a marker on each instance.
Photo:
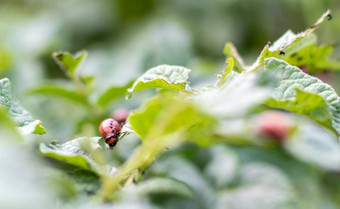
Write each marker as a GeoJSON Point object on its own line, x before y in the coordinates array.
{"type": "Point", "coordinates": [159, 185]}
{"type": "Point", "coordinates": [162, 76]}
{"type": "Point", "coordinates": [301, 50]}
{"type": "Point", "coordinates": [60, 91]}
{"type": "Point", "coordinates": [34, 127]}
{"type": "Point", "coordinates": [307, 104]}
{"type": "Point", "coordinates": [69, 63]}
{"type": "Point", "coordinates": [16, 112]}
{"type": "Point", "coordinates": [225, 74]}
{"type": "Point", "coordinates": [88, 80]}
{"type": "Point", "coordinates": [287, 47]}
{"type": "Point", "coordinates": [314, 145]}
{"type": "Point", "coordinates": [314, 58]}
{"type": "Point", "coordinates": [23, 174]}
{"type": "Point", "coordinates": [6, 59]}
{"type": "Point", "coordinates": [292, 77]}
{"type": "Point", "coordinates": [112, 94]}
{"type": "Point", "coordinates": [231, 52]}
{"type": "Point", "coordinates": [304, 178]}
{"type": "Point", "coordinates": [291, 43]}
{"type": "Point", "coordinates": [164, 122]}
{"type": "Point", "coordinates": [179, 167]}
{"type": "Point", "coordinates": [261, 186]}
{"type": "Point", "coordinates": [223, 166]}
{"type": "Point", "coordinates": [235, 97]}
{"type": "Point", "coordinates": [178, 113]}
{"type": "Point", "coordinates": [72, 152]}
{"type": "Point", "coordinates": [8, 129]}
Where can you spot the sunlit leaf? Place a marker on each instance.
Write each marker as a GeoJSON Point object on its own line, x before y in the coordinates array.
{"type": "Point", "coordinates": [226, 72]}
{"type": "Point", "coordinates": [231, 52]}
{"type": "Point", "coordinates": [307, 104]}
{"type": "Point", "coordinates": [292, 77]}
{"type": "Point", "coordinates": [162, 76]}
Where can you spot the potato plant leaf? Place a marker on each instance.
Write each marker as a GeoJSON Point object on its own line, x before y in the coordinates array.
{"type": "Point", "coordinates": [226, 101]}
{"type": "Point", "coordinates": [301, 50]}
{"type": "Point", "coordinates": [225, 74]}
{"type": "Point", "coordinates": [159, 185]}
{"type": "Point", "coordinates": [178, 114]}
{"type": "Point", "coordinates": [292, 77]}
{"type": "Point", "coordinates": [16, 112]}
{"type": "Point", "coordinates": [69, 63]}
{"type": "Point", "coordinates": [60, 91]}
{"type": "Point", "coordinates": [162, 76]}
{"type": "Point", "coordinates": [231, 52]}
{"type": "Point", "coordinates": [314, 58]}
{"type": "Point", "coordinates": [297, 49]}
{"type": "Point", "coordinates": [261, 186]}
{"type": "Point", "coordinates": [308, 104]}
{"type": "Point", "coordinates": [112, 94]}
{"type": "Point", "coordinates": [314, 145]}
{"type": "Point", "coordinates": [72, 152]}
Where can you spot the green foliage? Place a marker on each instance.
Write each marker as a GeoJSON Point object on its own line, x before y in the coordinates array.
{"type": "Point", "coordinates": [16, 112]}
{"type": "Point", "coordinates": [225, 74]}
{"type": "Point", "coordinates": [158, 185]}
{"type": "Point", "coordinates": [305, 145]}
{"type": "Point", "coordinates": [70, 64]}
{"type": "Point", "coordinates": [264, 136]}
{"type": "Point", "coordinates": [163, 76]}
{"type": "Point", "coordinates": [112, 94]}
{"type": "Point", "coordinates": [307, 104]}
{"type": "Point", "coordinates": [60, 91]}
{"type": "Point", "coordinates": [230, 51]}
{"type": "Point", "coordinates": [292, 77]}
{"type": "Point", "coordinates": [72, 152]}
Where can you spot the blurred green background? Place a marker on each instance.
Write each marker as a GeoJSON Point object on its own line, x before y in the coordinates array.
{"type": "Point", "coordinates": [126, 37]}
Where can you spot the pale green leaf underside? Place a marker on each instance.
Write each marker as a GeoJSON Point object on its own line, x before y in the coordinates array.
{"type": "Point", "coordinates": [17, 113]}
{"type": "Point", "coordinates": [307, 104]}
{"type": "Point", "coordinates": [314, 145]}
{"type": "Point", "coordinates": [292, 77]}
{"type": "Point", "coordinates": [261, 186]}
{"type": "Point", "coordinates": [162, 76]}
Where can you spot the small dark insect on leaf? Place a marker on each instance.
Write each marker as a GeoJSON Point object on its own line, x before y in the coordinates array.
{"type": "Point", "coordinates": [329, 16]}
{"type": "Point", "coordinates": [282, 53]}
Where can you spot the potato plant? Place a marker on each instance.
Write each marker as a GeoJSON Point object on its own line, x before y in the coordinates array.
{"type": "Point", "coordinates": [262, 136]}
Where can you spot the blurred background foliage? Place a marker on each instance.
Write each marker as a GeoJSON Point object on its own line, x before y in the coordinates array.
{"type": "Point", "coordinates": [123, 39]}
{"type": "Point", "coordinates": [126, 37]}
